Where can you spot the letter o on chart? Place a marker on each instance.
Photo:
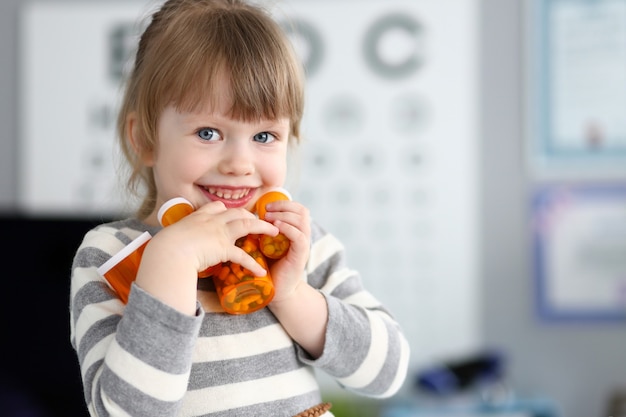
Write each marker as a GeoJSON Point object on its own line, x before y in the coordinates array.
{"type": "Point", "coordinates": [307, 42]}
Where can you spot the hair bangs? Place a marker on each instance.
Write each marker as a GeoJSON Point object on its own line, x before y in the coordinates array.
{"type": "Point", "coordinates": [254, 72]}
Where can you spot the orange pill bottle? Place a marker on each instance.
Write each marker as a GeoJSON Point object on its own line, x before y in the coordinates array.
{"type": "Point", "coordinates": [238, 290]}
{"type": "Point", "coordinates": [121, 269]}
{"type": "Point", "coordinates": [274, 247]}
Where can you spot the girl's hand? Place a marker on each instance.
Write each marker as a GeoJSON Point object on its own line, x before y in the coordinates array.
{"type": "Point", "coordinates": [174, 256]}
{"type": "Point", "coordinates": [300, 308]}
{"type": "Point", "coordinates": [211, 231]}
{"type": "Point", "coordinates": [293, 220]}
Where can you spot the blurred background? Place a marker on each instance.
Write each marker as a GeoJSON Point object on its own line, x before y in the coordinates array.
{"type": "Point", "coordinates": [471, 154]}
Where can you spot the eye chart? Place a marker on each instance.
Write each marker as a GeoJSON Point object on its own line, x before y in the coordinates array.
{"type": "Point", "coordinates": [389, 154]}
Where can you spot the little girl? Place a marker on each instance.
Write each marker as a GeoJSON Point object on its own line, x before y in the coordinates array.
{"type": "Point", "coordinates": [211, 107]}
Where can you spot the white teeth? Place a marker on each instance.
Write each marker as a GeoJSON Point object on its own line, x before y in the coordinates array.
{"type": "Point", "coordinates": [227, 194]}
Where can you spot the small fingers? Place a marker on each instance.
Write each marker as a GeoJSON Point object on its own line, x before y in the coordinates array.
{"type": "Point", "coordinates": [294, 219]}
{"type": "Point", "coordinates": [286, 206]}
{"type": "Point", "coordinates": [239, 256]}
{"type": "Point", "coordinates": [238, 219]}
{"type": "Point", "coordinates": [214, 207]}
{"type": "Point", "coordinates": [241, 227]}
{"type": "Point", "coordinates": [296, 236]}
{"type": "Point", "coordinates": [287, 211]}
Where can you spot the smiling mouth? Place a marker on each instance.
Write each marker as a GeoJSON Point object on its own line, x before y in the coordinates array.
{"type": "Point", "coordinates": [228, 194]}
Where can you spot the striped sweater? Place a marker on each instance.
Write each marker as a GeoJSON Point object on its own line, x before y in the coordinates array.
{"type": "Point", "coordinates": [147, 359]}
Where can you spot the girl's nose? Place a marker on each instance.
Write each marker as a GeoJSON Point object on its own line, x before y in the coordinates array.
{"type": "Point", "coordinates": [237, 159]}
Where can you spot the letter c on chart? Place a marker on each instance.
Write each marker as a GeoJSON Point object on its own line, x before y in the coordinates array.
{"type": "Point", "coordinates": [378, 62]}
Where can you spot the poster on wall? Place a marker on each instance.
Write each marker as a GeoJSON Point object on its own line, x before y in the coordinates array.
{"type": "Point", "coordinates": [578, 78]}
{"type": "Point", "coordinates": [580, 251]}
{"type": "Point", "coordinates": [387, 161]}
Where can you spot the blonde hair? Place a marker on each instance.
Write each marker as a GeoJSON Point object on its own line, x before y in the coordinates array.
{"type": "Point", "coordinates": [184, 52]}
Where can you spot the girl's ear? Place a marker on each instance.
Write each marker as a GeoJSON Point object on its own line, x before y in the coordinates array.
{"type": "Point", "coordinates": [135, 136]}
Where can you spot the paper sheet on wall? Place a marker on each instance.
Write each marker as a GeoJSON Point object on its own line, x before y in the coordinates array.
{"type": "Point", "coordinates": [580, 251]}
{"type": "Point", "coordinates": [389, 155]}
{"type": "Point", "coordinates": [578, 84]}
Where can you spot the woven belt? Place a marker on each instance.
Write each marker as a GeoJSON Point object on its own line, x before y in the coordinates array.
{"type": "Point", "coordinates": [315, 411]}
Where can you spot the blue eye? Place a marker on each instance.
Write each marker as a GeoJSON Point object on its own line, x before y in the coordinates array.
{"type": "Point", "coordinates": [208, 134]}
{"type": "Point", "coordinates": [264, 137]}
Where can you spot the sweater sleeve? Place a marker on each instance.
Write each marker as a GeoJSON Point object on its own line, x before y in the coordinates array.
{"type": "Point", "coordinates": [366, 350]}
{"type": "Point", "coordinates": [135, 359]}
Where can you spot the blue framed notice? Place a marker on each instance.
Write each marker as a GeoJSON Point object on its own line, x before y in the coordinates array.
{"type": "Point", "coordinates": [578, 83]}
{"type": "Point", "coordinates": [579, 249]}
